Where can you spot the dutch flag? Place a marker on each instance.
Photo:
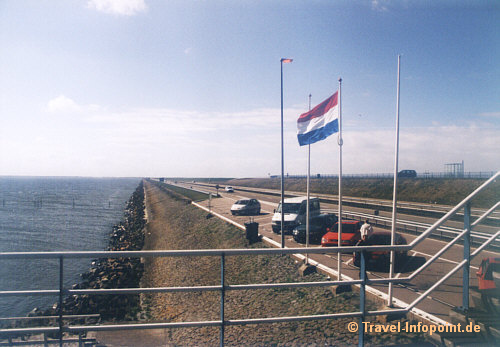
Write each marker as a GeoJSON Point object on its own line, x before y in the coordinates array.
{"type": "Point", "coordinates": [320, 122]}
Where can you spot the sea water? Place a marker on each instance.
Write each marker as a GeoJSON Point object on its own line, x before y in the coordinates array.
{"type": "Point", "coordinates": [54, 214]}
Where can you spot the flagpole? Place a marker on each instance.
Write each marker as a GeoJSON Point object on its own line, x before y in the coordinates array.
{"type": "Point", "coordinates": [283, 60]}
{"type": "Point", "coordinates": [308, 182]}
{"type": "Point", "coordinates": [394, 196]}
{"type": "Point", "coordinates": [340, 143]}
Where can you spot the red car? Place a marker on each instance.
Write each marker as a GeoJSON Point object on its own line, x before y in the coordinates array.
{"type": "Point", "coordinates": [381, 237]}
{"type": "Point", "coordinates": [350, 234]}
{"type": "Point", "coordinates": [488, 277]}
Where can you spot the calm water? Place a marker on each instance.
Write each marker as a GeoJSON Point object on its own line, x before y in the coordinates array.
{"type": "Point", "coordinates": [54, 214]}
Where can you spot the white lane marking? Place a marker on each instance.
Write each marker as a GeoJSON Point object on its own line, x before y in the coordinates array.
{"type": "Point", "coordinates": [444, 259]}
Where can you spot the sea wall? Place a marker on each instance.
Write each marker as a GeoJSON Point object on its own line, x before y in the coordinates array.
{"type": "Point", "coordinates": [127, 235]}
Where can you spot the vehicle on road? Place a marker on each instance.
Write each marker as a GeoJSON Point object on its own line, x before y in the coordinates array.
{"type": "Point", "coordinates": [407, 173]}
{"type": "Point", "coordinates": [488, 277]}
{"type": "Point", "coordinates": [350, 234]}
{"type": "Point", "coordinates": [318, 226]}
{"type": "Point", "coordinates": [246, 206]}
{"type": "Point", "coordinates": [229, 189]}
{"type": "Point", "coordinates": [382, 258]}
{"type": "Point", "coordinates": [294, 213]}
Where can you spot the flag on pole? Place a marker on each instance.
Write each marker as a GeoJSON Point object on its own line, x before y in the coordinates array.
{"type": "Point", "coordinates": [320, 122]}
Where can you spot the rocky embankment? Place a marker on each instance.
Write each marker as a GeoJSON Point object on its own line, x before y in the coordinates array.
{"type": "Point", "coordinates": [127, 235]}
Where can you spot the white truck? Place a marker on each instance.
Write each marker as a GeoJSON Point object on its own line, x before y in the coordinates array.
{"type": "Point", "coordinates": [294, 213]}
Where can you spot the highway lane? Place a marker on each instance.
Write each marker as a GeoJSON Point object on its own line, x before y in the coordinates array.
{"type": "Point", "coordinates": [446, 296]}
{"type": "Point", "coordinates": [411, 219]}
{"type": "Point", "coordinates": [416, 207]}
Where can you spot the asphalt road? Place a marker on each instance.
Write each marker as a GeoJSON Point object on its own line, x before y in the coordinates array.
{"type": "Point", "coordinates": [438, 304]}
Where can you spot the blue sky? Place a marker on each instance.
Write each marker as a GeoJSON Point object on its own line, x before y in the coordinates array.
{"type": "Point", "coordinates": [192, 87]}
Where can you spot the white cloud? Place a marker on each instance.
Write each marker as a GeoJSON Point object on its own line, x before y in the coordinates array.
{"type": "Point", "coordinates": [63, 104]}
{"type": "Point", "coordinates": [118, 7]}
{"type": "Point", "coordinates": [247, 143]}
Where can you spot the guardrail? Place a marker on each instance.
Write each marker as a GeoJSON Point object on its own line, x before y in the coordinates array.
{"type": "Point", "coordinates": [443, 232]}
{"type": "Point", "coordinates": [424, 175]}
{"type": "Point", "coordinates": [223, 287]}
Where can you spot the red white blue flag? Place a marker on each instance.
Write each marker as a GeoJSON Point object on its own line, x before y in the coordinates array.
{"type": "Point", "coordinates": [320, 122]}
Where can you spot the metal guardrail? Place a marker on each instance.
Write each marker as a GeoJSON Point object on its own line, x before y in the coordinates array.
{"type": "Point", "coordinates": [420, 175]}
{"type": "Point", "coordinates": [223, 287]}
{"type": "Point", "coordinates": [443, 232]}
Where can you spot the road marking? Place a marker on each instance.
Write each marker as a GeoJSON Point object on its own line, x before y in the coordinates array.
{"type": "Point", "coordinates": [444, 259]}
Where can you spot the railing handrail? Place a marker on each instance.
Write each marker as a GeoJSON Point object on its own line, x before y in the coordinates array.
{"type": "Point", "coordinates": [454, 210]}
{"type": "Point", "coordinates": [200, 252]}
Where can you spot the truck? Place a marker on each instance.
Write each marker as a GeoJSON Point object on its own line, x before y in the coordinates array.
{"type": "Point", "coordinates": [294, 210]}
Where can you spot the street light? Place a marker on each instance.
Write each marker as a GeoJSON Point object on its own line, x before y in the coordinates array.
{"type": "Point", "coordinates": [283, 60]}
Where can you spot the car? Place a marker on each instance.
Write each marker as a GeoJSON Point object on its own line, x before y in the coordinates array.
{"type": "Point", "coordinates": [380, 257]}
{"type": "Point", "coordinates": [318, 226]}
{"type": "Point", "coordinates": [294, 213]}
{"type": "Point", "coordinates": [407, 174]}
{"type": "Point", "coordinates": [350, 234]}
{"type": "Point", "coordinates": [246, 206]}
{"type": "Point", "coordinates": [488, 276]}
{"type": "Point", "coordinates": [229, 189]}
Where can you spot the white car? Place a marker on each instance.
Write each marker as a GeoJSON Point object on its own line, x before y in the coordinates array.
{"type": "Point", "coordinates": [229, 189]}
{"type": "Point", "coordinates": [246, 206]}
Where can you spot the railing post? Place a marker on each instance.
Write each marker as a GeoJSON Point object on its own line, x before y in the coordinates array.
{"type": "Point", "coordinates": [61, 272]}
{"type": "Point", "coordinates": [362, 309]}
{"type": "Point", "coordinates": [465, 297]}
{"type": "Point", "coordinates": [222, 292]}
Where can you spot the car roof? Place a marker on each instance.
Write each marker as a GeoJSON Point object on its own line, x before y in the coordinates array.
{"type": "Point", "coordinates": [298, 199]}
{"type": "Point", "coordinates": [349, 222]}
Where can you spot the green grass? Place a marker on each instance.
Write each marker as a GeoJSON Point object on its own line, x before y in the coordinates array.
{"type": "Point", "coordinates": [440, 191]}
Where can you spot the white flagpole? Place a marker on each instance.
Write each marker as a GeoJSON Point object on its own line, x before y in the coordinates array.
{"type": "Point", "coordinates": [340, 142]}
{"type": "Point", "coordinates": [394, 196]}
{"type": "Point", "coordinates": [308, 177]}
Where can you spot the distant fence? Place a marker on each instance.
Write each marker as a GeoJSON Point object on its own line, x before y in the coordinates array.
{"type": "Point", "coordinates": [424, 175]}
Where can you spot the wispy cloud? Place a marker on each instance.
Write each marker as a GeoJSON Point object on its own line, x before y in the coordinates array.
{"type": "Point", "coordinates": [249, 141]}
{"type": "Point", "coordinates": [63, 104]}
{"type": "Point", "coordinates": [379, 5]}
{"type": "Point", "coordinates": [118, 7]}
{"type": "Point", "coordinates": [490, 114]}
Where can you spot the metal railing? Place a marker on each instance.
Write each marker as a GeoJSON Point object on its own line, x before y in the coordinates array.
{"type": "Point", "coordinates": [424, 175]}
{"type": "Point", "coordinates": [222, 322]}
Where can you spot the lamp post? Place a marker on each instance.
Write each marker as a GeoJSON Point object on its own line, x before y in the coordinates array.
{"type": "Point", "coordinates": [283, 60]}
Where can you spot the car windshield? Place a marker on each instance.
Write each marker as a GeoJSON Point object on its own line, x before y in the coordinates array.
{"type": "Point", "coordinates": [242, 202]}
{"type": "Point", "coordinates": [346, 228]}
{"type": "Point", "coordinates": [289, 208]}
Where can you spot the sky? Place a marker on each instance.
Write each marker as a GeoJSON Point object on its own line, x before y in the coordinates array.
{"type": "Point", "coordinates": [192, 88]}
